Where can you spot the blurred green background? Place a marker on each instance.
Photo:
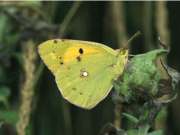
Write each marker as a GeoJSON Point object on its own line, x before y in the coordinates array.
{"type": "Point", "coordinates": [30, 102]}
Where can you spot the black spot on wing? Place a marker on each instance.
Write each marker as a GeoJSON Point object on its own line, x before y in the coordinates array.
{"type": "Point", "coordinates": [61, 63]}
{"type": "Point", "coordinates": [73, 88]}
{"type": "Point", "coordinates": [55, 41]}
{"type": "Point", "coordinates": [59, 57]}
{"type": "Point", "coordinates": [78, 58]}
{"type": "Point", "coordinates": [81, 51]}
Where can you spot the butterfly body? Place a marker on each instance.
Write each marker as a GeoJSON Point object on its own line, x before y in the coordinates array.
{"type": "Point", "coordinates": [83, 70]}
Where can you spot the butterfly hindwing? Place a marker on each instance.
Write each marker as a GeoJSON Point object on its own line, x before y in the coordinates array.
{"type": "Point", "coordinates": [88, 89]}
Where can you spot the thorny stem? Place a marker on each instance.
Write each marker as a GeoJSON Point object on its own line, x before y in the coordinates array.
{"type": "Point", "coordinates": [27, 90]}
{"type": "Point", "coordinates": [24, 21]}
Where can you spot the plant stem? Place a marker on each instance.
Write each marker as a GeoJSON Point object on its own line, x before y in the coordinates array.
{"type": "Point", "coordinates": [117, 115]}
{"type": "Point", "coordinates": [164, 33]}
{"type": "Point", "coordinates": [162, 22]}
{"type": "Point", "coordinates": [147, 22]}
{"type": "Point", "coordinates": [68, 18]}
{"type": "Point", "coordinates": [131, 39]}
{"type": "Point", "coordinates": [120, 27]}
{"type": "Point", "coordinates": [27, 89]}
{"type": "Point", "coordinates": [119, 22]}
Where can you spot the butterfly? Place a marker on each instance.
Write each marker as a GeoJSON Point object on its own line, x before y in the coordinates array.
{"type": "Point", "coordinates": [84, 71]}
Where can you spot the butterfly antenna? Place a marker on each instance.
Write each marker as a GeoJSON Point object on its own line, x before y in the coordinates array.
{"type": "Point", "coordinates": [131, 55]}
{"type": "Point", "coordinates": [138, 33]}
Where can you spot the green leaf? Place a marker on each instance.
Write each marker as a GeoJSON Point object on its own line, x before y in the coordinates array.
{"type": "Point", "coordinates": [10, 117]}
{"type": "Point", "coordinates": [131, 117]}
{"type": "Point", "coordinates": [159, 132]}
{"type": "Point", "coordinates": [4, 95]}
{"type": "Point", "coordinates": [132, 132]}
{"type": "Point", "coordinates": [3, 24]}
{"type": "Point", "coordinates": [3, 77]}
{"type": "Point", "coordinates": [143, 130]}
{"type": "Point", "coordinates": [146, 76]}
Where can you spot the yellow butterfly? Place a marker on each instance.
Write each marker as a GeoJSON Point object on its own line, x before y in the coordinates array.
{"type": "Point", "coordinates": [83, 70]}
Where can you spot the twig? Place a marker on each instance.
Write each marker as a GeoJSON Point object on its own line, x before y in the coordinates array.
{"type": "Point", "coordinates": [119, 22]}
{"type": "Point", "coordinates": [38, 73]}
{"type": "Point", "coordinates": [162, 22]}
{"type": "Point", "coordinates": [138, 33]}
{"type": "Point", "coordinates": [68, 18]}
{"type": "Point", "coordinates": [147, 20]}
{"type": "Point", "coordinates": [117, 115]}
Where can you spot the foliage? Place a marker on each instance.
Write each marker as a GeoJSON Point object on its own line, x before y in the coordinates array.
{"type": "Point", "coordinates": [147, 75]}
{"type": "Point", "coordinates": [147, 82]}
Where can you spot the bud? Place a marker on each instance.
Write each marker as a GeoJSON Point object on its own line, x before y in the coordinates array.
{"type": "Point", "coordinates": [148, 77]}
